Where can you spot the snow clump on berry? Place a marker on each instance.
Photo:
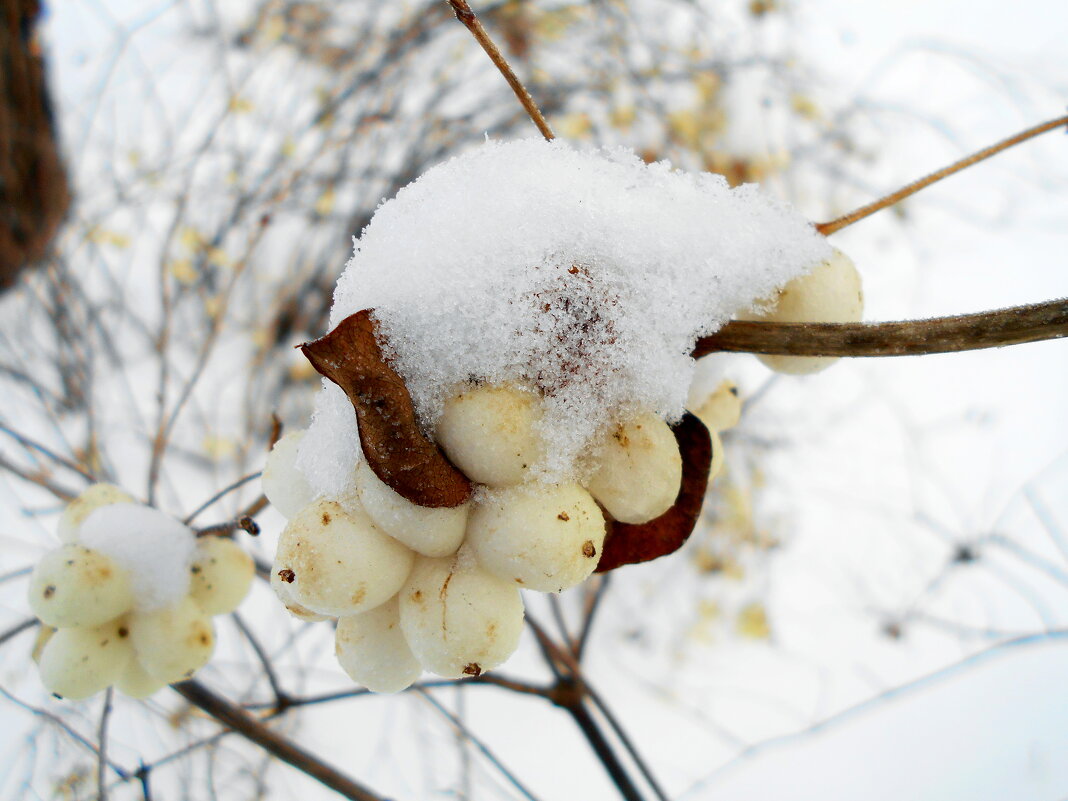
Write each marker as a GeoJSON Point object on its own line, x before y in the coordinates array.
{"type": "Point", "coordinates": [586, 274]}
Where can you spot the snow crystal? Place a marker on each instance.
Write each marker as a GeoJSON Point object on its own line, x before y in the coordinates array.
{"type": "Point", "coordinates": [156, 550]}
{"type": "Point", "coordinates": [330, 448]}
{"type": "Point", "coordinates": [587, 273]}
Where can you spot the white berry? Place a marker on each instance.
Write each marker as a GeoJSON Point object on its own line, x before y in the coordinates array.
{"type": "Point", "coordinates": [831, 293]}
{"type": "Point", "coordinates": [76, 586]}
{"type": "Point", "coordinates": [429, 531]}
{"type": "Point", "coordinates": [638, 470]}
{"type": "Point", "coordinates": [79, 662]}
{"type": "Point", "coordinates": [336, 562]}
{"type": "Point", "coordinates": [541, 537]}
{"type": "Point", "coordinates": [371, 649]}
{"type": "Point", "coordinates": [491, 433]}
{"type": "Point", "coordinates": [220, 576]}
{"type": "Point", "coordinates": [173, 643]}
{"type": "Point", "coordinates": [459, 619]}
{"type": "Point", "coordinates": [284, 485]}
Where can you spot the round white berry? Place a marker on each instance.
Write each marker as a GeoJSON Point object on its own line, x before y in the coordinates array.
{"type": "Point", "coordinates": [220, 575]}
{"type": "Point", "coordinates": [722, 409]}
{"type": "Point", "coordinates": [371, 649]}
{"type": "Point", "coordinates": [136, 682]}
{"type": "Point", "coordinates": [542, 537]}
{"type": "Point", "coordinates": [831, 293]}
{"type": "Point", "coordinates": [431, 532]}
{"type": "Point", "coordinates": [491, 433]}
{"type": "Point", "coordinates": [284, 485]}
{"type": "Point", "coordinates": [76, 586]}
{"type": "Point", "coordinates": [173, 643]}
{"type": "Point", "coordinates": [79, 662]}
{"type": "Point", "coordinates": [638, 470]}
{"type": "Point", "coordinates": [336, 562]}
{"type": "Point", "coordinates": [458, 618]}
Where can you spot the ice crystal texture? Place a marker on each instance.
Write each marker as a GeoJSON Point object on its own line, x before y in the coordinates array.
{"type": "Point", "coordinates": [586, 274]}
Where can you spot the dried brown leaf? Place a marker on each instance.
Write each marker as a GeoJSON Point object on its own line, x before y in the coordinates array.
{"type": "Point", "coordinates": [395, 446]}
{"type": "Point", "coordinates": [627, 543]}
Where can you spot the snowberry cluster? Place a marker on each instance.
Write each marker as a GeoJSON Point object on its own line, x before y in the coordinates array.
{"type": "Point", "coordinates": [438, 588]}
{"type": "Point", "coordinates": [417, 588]}
{"type": "Point", "coordinates": [127, 599]}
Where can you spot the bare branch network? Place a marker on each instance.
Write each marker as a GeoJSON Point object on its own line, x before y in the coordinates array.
{"type": "Point", "coordinates": [562, 652]}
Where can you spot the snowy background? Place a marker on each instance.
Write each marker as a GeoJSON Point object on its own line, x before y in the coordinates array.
{"type": "Point", "coordinates": [877, 605]}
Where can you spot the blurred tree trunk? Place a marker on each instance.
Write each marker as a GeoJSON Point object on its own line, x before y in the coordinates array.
{"type": "Point", "coordinates": [33, 188]}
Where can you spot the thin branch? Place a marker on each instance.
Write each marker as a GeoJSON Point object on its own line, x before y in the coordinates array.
{"type": "Point", "coordinates": [491, 679]}
{"type": "Point", "coordinates": [838, 224]}
{"type": "Point", "coordinates": [252, 730]}
{"type": "Point", "coordinates": [62, 493]}
{"type": "Point", "coordinates": [549, 651]}
{"type": "Point", "coordinates": [14, 574]}
{"type": "Point", "coordinates": [561, 624]}
{"type": "Point", "coordinates": [142, 777]}
{"type": "Point", "coordinates": [257, 505]}
{"type": "Point", "coordinates": [595, 737]}
{"type": "Point", "coordinates": [244, 521]}
{"type": "Point", "coordinates": [467, 17]}
{"type": "Point", "coordinates": [593, 603]}
{"type": "Point", "coordinates": [102, 741]}
{"type": "Point", "coordinates": [31, 444]}
{"type": "Point", "coordinates": [281, 698]}
{"type": "Point", "coordinates": [924, 682]}
{"type": "Point", "coordinates": [222, 494]}
{"type": "Point", "coordinates": [482, 747]}
{"type": "Point", "coordinates": [18, 628]}
{"type": "Point", "coordinates": [992, 329]}
{"type": "Point", "coordinates": [70, 731]}
{"type": "Point", "coordinates": [624, 738]}
{"type": "Point", "coordinates": [569, 693]}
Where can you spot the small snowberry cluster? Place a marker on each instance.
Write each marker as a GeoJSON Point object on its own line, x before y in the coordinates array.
{"type": "Point", "coordinates": [127, 599]}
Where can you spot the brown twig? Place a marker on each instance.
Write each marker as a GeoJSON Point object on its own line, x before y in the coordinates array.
{"type": "Point", "coordinates": [244, 521]}
{"type": "Point", "coordinates": [61, 493]}
{"type": "Point", "coordinates": [838, 224]}
{"type": "Point", "coordinates": [275, 744]}
{"type": "Point", "coordinates": [992, 329]}
{"type": "Point", "coordinates": [31, 444]}
{"type": "Point", "coordinates": [626, 740]}
{"type": "Point", "coordinates": [595, 737]}
{"type": "Point", "coordinates": [486, 679]}
{"type": "Point", "coordinates": [569, 692]}
{"type": "Point", "coordinates": [471, 22]}
{"type": "Point", "coordinates": [222, 494]}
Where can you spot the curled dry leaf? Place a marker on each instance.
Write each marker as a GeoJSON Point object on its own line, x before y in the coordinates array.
{"type": "Point", "coordinates": [395, 446]}
{"type": "Point", "coordinates": [627, 543]}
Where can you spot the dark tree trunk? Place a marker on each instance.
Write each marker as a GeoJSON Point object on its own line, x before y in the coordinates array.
{"type": "Point", "coordinates": [33, 187]}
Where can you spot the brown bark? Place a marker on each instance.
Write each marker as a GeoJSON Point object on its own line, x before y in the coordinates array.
{"type": "Point", "coordinates": [33, 188]}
